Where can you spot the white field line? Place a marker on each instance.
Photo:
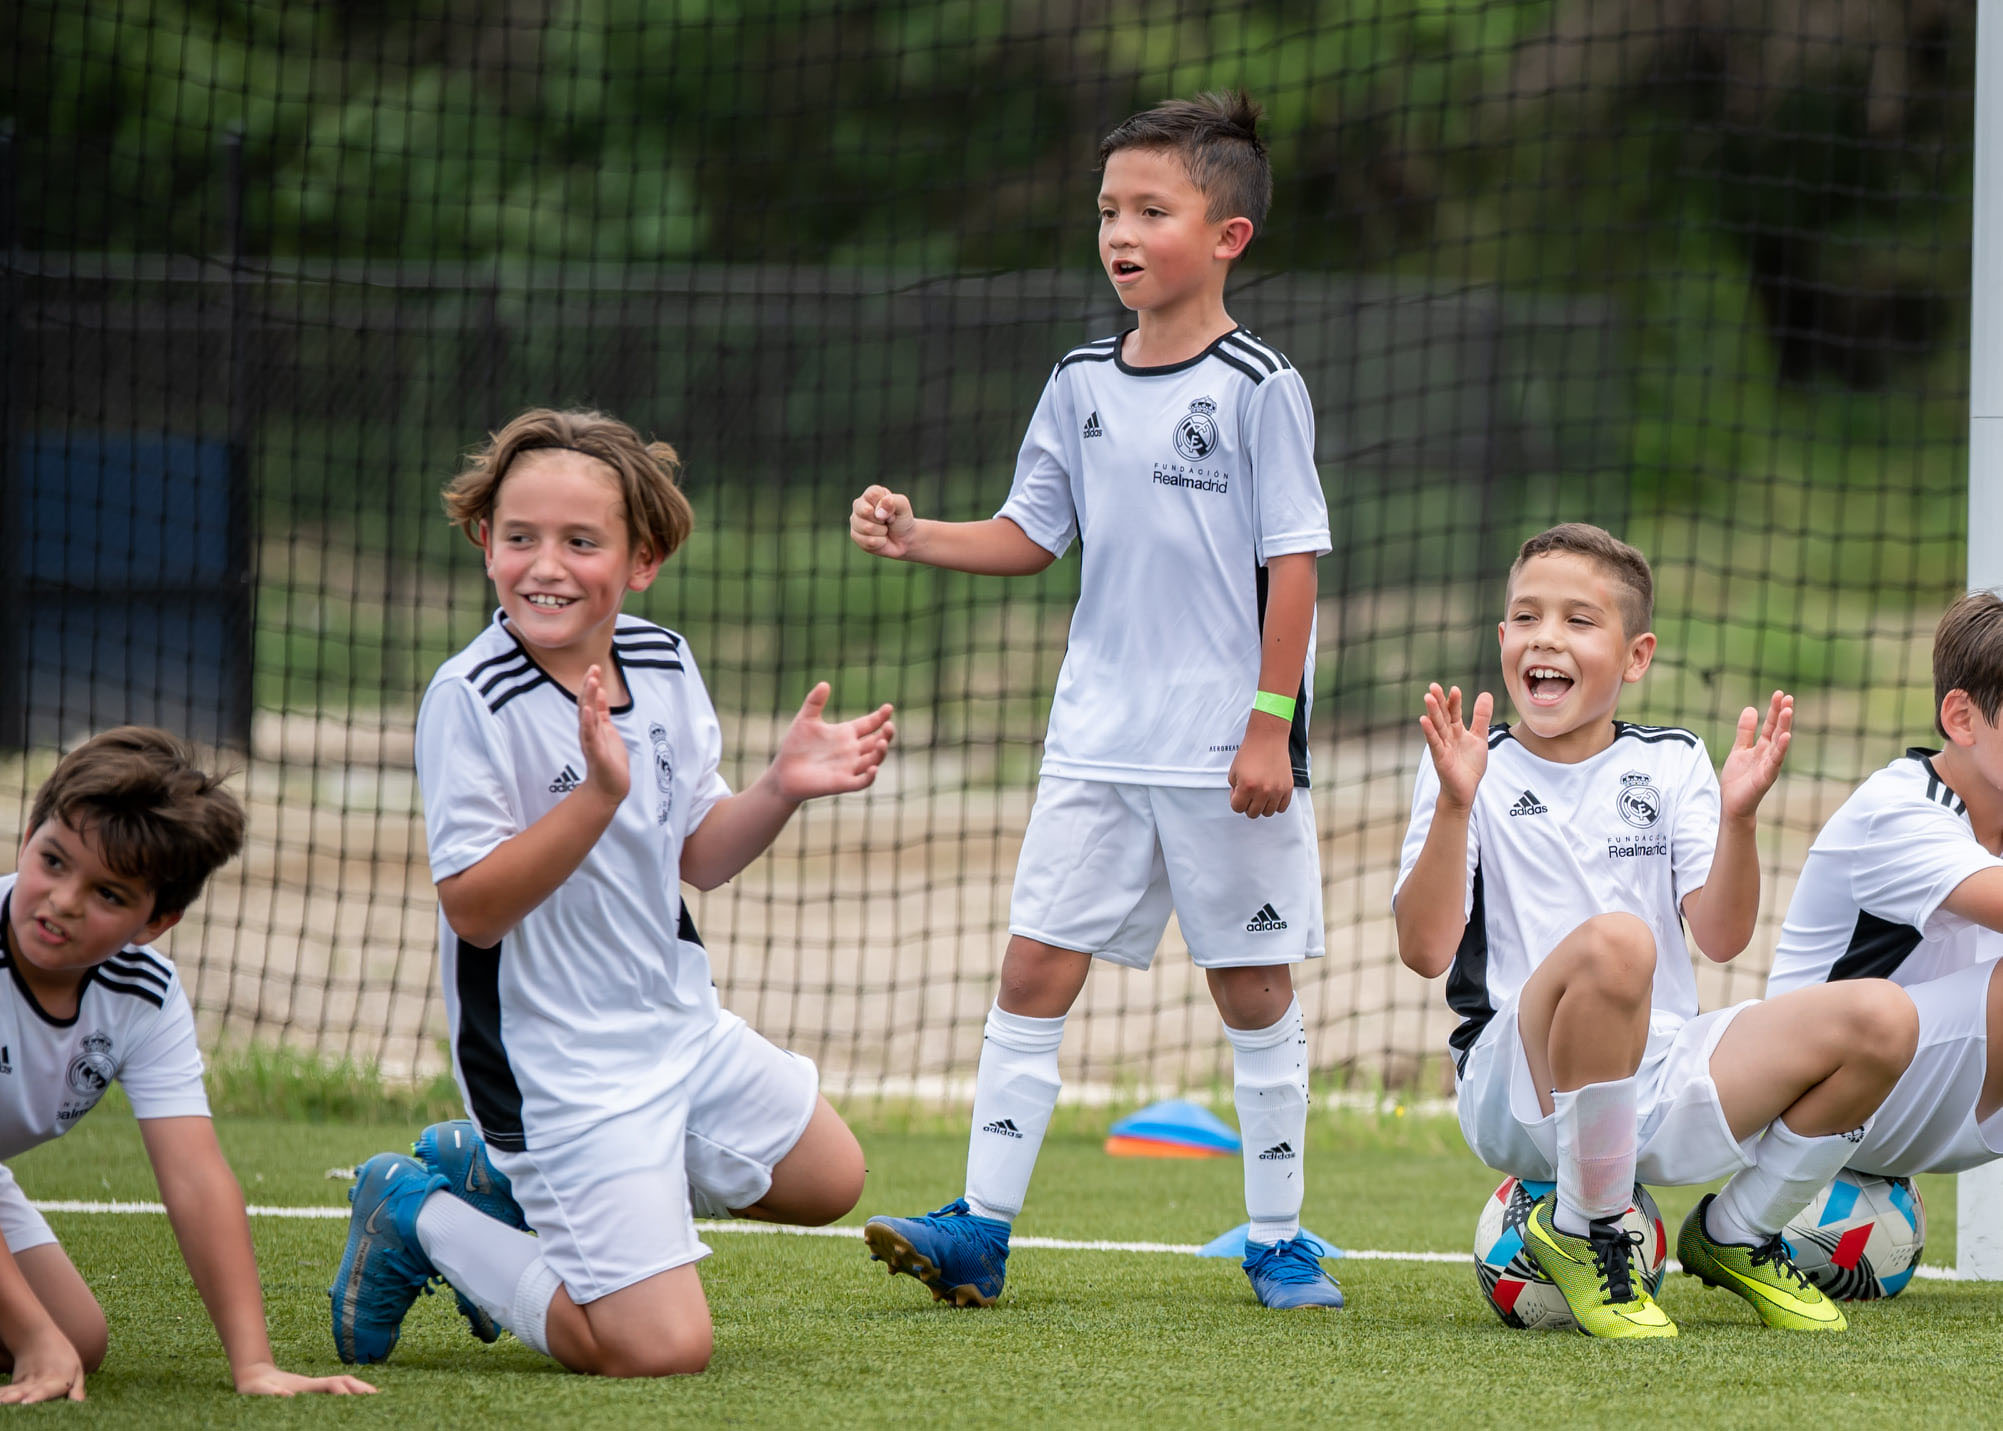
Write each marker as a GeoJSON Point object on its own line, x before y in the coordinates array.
{"type": "Point", "coordinates": [1057, 1244]}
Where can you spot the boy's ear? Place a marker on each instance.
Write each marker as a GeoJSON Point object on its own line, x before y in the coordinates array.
{"type": "Point", "coordinates": [1957, 717]}
{"type": "Point", "coordinates": [646, 566]}
{"type": "Point", "coordinates": [1232, 238]}
{"type": "Point", "coordinates": [160, 924]}
{"type": "Point", "coordinates": [1640, 651]}
{"type": "Point", "coordinates": [486, 546]}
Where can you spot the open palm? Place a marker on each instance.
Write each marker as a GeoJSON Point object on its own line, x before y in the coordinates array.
{"type": "Point", "coordinates": [819, 757]}
{"type": "Point", "coordinates": [1754, 764]}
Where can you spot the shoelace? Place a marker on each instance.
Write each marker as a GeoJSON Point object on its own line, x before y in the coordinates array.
{"type": "Point", "coordinates": [1613, 1256]}
{"type": "Point", "coordinates": [1774, 1251]}
{"type": "Point", "coordinates": [1293, 1267]}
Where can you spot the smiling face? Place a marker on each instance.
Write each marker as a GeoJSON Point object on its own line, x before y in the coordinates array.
{"type": "Point", "coordinates": [562, 560]}
{"type": "Point", "coordinates": [1155, 241]}
{"type": "Point", "coordinates": [1565, 655]}
{"type": "Point", "coordinates": [70, 910]}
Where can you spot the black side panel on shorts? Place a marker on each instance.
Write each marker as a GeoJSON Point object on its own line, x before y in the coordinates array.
{"type": "Point", "coordinates": [483, 1060]}
{"type": "Point", "coordinates": [1467, 980]}
{"type": "Point", "coordinates": [1877, 947]}
{"type": "Point", "coordinates": [1297, 736]}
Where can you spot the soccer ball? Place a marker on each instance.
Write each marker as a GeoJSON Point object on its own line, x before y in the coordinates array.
{"type": "Point", "coordinates": [1861, 1238]}
{"type": "Point", "coordinates": [1520, 1293]}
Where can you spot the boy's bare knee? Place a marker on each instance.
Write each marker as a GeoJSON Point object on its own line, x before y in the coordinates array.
{"type": "Point", "coordinates": [1881, 1026]}
{"type": "Point", "coordinates": [1620, 956]}
{"type": "Point", "coordinates": [670, 1354]}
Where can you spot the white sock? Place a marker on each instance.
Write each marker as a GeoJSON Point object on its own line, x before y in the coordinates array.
{"type": "Point", "coordinates": [485, 1260]}
{"type": "Point", "coordinates": [528, 1316]}
{"type": "Point", "coordinates": [1014, 1091]}
{"type": "Point", "coordinates": [1596, 1145]}
{"type": "Point", "coordinates": [1788, 1171]}
{"type": "Point", "coordinates": [1270, 1086]}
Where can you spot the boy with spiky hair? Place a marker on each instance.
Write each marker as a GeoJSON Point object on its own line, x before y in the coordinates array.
{"type": "Point", "coordinates": [120, 840]}
{"type": "Point", "coordinates": [1905, 883]}
{"type": "Point", "coordinates": [1180, 453]}
{"type": "Point", "coordinates": [1548, 871]}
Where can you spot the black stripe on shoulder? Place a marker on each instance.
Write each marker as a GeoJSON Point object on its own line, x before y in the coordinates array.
{"type": "Point", "coordinates": [1497, 734]}
{"type": "Point", "coordinates": [646, 631]}
{"type": "Point", "coordinates": [1086, 355]}
{"type": "Point", "coordinates": [1253, 350]}
{"type": "Point", "coordinates": [514, 654]}
{"type": "Point", "coordinates": [1249, 370]}
{"type": "Point", "coordinates": [137, 991]}
{"type": "Point", "coordinates": [1654, 734]}
{"type": "Point", "coordinates": [127, 968]}
{"type": "Point", "coordinates": [539, 679]}
{"type": "Point", "coordinates": [503, 676]}
{"type": "Point", "coordinates": [1253, 340]}
{"type": "Point", "coordinates": [634, 648]}
{"type": "Point", "coordinates": [669, 664]}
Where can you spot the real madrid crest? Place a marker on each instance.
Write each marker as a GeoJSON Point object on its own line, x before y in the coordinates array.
{"type": "Point", "coordinates": [93, 1068]}
{"type": "Point", "coordinates": [1196, 434]}
{"type": "Point", "coordinates": [1639, 802]}
{"type": "Point", "coordinates": [664, 771]}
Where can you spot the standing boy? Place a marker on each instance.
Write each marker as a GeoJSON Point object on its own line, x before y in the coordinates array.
{"type": "Point", "coordinates": [1181, 454]}
{"type": "Point", "coordinates": [120, 840]}
{"type": "Point", "coordinates": [1548, 871]}
{"type": "Point", "coordinates": [1905, 883]}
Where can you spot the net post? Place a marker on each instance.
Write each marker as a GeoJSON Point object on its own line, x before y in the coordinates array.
{"type": "Point", "coordinates": [1979, 1191]}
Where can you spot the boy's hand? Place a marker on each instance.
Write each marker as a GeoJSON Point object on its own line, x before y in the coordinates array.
{"type": "Point", "coordinates": [47, 1369]}
{"type": "Point", "coordinates": [1262, 774]}
{"type": "Point", "coordinates": [881, 522]}
{"type": "Point", "coordinates": [606, 765]}
{"type": "Point", "coordinates": [1460, 752]}
{"type": "Point", "coordinates": [1753, 766]}
{"type": "Point", "coordinates": [817, 758]}
{"type": "Point", "coordinates": [265, 1379]}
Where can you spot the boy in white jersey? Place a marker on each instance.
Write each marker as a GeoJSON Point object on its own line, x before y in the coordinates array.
{"type": "Point", "coordinates": [568, 758]}
{"type": "Point", "coordinates": [1181, 455]}
{"type": "Point", "coordinates": [120, 840]}
{"type": "Point", "coordinates": [1548, 870]}
{"type": "Point", "coordinates": [1905, 883]}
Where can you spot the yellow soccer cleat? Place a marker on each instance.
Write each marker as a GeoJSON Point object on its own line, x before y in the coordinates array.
{"type": "Point", "coordinates": [1764, 1275]}
{"type": "Point", "coordinates": [1596, 1275]}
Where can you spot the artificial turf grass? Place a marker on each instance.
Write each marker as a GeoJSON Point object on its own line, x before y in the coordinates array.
{"type": "Point", "coordinates": [808, 1331]}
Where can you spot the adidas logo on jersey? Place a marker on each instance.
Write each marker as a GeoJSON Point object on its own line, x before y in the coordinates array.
{"type": "Point", "coordinates": [566, 782]}
{"type": "Point", "coordinates": [1265, 921]}
{"type": "Point", "coordinates": [1092, 428]}
{"type": "Point", "coordinates": [1529, 805]}
{"type": "Point", "coordinates": [1278, 1153]}
{"type": "Point", "coordinates": [1006, 1127]}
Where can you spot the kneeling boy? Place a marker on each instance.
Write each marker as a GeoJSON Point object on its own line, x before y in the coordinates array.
{"type": "Point", "coordinates": [1553, 894]}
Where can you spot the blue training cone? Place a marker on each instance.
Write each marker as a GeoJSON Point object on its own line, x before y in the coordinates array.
{"type": "Point", "coordinates": [1174, 1129]}
{"type": "Point", "coordinates": [1232, 1243]}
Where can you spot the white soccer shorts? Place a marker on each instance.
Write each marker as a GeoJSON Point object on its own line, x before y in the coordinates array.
{"type": "Point", "coordinates": [1682, 1135]}
{"type": "Point", "coordinates": [613, 1204]}
{"type": "Point", "coordinates": [1103, 865]}
{"type": "Point", "coordinates": [20, 1224]}
{"type": "Point", "coordinates": [1928, 1124]}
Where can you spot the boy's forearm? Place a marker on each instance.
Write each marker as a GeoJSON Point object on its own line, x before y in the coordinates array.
{"type": "Point", "coordinates": [736, 831]}
{"type": "Point", "coordinates": [1431, 907]}
{"type": "Point", "coordinates": [1728, 906]}
{"type": "Point", "coordinates": [206, 1211]}
{"type": "Point", "coordinates": [996, 547]}
{"type": "Point", "coordinates": [486, 900]}
{"type": "Point", "coordinates": [23, 1319]}
{"type": "Point", "coordinates": [1283, 637]}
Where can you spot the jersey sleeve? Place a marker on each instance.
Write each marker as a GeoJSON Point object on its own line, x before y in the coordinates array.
{"type": "Point", "coordinates": [1039, 500]}
{"type": "Point", "coordinates": [1693, 839]}
{"type": "Point", "coordinates": [163, 1072]}
{"type": "Point", "coordinates": [463, 774]}
{"type": "Point", "coordinates": [1914, 854]}
{"type": "Point", "coordinates": [708, 788]}
{"type": "Point", "coordinates": [1292, 512]}
{"type": "Point", "coordinates": [1426, 799]}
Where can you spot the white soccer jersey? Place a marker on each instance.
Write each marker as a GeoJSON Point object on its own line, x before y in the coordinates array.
{"type": "Point", "coordinates": [1868, 903]}
{"type": "Point", "coordinates": [1181, 482]}
{"type": "Point", "coordinates": [132, 1023]}
{"type": "Point", "coordinates": [1552, 845]}
{"type": "Point", "coordinates": [599, 1000]}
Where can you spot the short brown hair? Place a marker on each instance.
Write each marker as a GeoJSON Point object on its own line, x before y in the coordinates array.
{"type": "Point", "coordinates": [156, 814]}
{"type": "Point", "coordinates": [1217, 138]}
{"type": "Point", "coordinates": [1968, 655]}
{"type": "Point", "coordinates": [1627, 567]}
{"type": "Point", "coordinates": [658, 515]}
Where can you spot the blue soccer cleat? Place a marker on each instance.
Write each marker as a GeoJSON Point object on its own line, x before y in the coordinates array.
{"type": "Point", "coordinates": [1288, 1276]}
{"type": "Point", "coordinates": [961, 1257]}
{"type": "Point", "coordinates": [456, 1152]}
{"type": "Point", "coordinates": [383, 1269]}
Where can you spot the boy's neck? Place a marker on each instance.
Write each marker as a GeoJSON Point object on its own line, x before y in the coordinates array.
{"type": "Point", "coordinates": [1582, 742]}
{"type": "Point", "coordinates": [1956, 765]}
{"type": "Point", "coordinates": [57, 991]}
{"type": "Point", "coordinates": [1178, 332]}
{"type": "Point", "coordinates": [569, 666]}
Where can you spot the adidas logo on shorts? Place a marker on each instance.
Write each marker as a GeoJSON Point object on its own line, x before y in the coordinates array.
{"type": "Point", "coordinates": [1265, 921]}
{"type": "Point", "coordinates": [566, 782]}
{"type": "Point", "coordinates": [1529, 805]}
{"type": "Point", "coordinates": [1278, 1153]}
{"type": "Point", "coordinates": [1004, 1126]}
